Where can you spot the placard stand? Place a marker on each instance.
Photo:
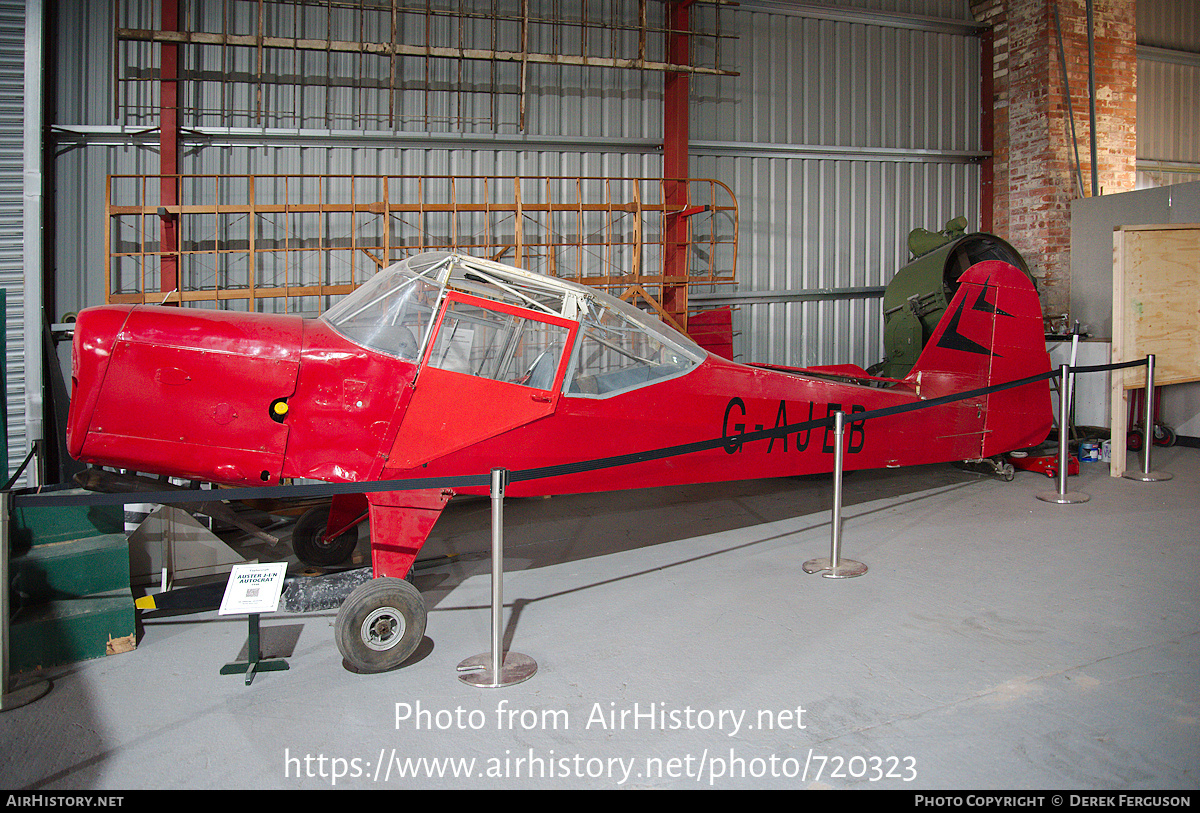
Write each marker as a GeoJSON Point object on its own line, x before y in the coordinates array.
{"type": "Point", "coordinates": [256, 663]}
{"type": "Point", "coordinates": [253, 589]}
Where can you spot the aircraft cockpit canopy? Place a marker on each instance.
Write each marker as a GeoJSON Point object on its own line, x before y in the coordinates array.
{"type": "Point", "coordinates": [618, 347]}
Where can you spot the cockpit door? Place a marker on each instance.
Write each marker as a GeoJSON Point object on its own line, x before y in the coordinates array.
{"type": "Point", "coordinates": [488, 368]}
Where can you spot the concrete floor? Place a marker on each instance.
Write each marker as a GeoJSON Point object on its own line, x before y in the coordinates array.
{"type": "Point", "coordinates": [996, 642]}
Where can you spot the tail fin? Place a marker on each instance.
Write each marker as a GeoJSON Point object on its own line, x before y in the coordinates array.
{"type": "Point", "coordinates": [992, 334]}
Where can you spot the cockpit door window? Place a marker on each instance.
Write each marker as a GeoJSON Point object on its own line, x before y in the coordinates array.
{"type": "Point", "coordinates": [489, 368]}
{"type": "Point", "coordinates": [501, 345]}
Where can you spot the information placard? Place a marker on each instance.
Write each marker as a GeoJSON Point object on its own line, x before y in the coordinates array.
{"type": "Point", "coordinates": [253, 588]}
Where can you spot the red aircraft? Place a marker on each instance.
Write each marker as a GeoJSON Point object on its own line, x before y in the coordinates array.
{"type": "Point", "coordinates": [444, 365]}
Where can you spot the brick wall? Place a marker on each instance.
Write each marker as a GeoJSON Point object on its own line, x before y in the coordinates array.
{"type": "Point", "coordinates": [1033, 152]}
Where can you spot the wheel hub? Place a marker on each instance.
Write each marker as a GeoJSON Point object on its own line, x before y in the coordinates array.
{"type": "Point", "coordinates": [382, 629]}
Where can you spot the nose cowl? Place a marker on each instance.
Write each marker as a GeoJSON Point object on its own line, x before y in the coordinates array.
{"type": "Point", "coordinates": [183, 391]}
{"type": "Point", "coordinates": [95, 333]}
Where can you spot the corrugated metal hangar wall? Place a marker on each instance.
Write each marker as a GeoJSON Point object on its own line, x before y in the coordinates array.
{"type": "Point", "coordinates": [843, 128]}
{"type": "Point", "coordinates": [20, 237]}
{"type": "Point", "coordinates": [1168, 113]}
{"type": "Point", "coordinates": [841, 134]}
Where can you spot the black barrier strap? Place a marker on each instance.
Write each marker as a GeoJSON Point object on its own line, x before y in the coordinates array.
{"type": "Point", "coordinates": [1096, 368]}
{"type": "Point", "coordinates": [322, 489]}
{"type": "Point", "coordinates": [557, 470]}
{"type": "Point", "coordinates": [764, 434]}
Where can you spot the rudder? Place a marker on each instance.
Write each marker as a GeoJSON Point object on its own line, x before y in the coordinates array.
{"type": "Point", "coordinates": [991, 334]}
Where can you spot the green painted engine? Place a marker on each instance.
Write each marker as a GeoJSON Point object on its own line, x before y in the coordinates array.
{"type": "Point", "coordinates": [917, 296]}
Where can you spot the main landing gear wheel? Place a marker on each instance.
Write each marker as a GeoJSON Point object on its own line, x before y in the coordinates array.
{"type": "Point", "coordinates": [311, 549]}
{"type": "Point", "coordinates": [380, 624]}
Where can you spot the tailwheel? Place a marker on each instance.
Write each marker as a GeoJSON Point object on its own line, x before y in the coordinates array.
{"type": "Point", "coordinates": [997, 466]}
{"type": "Point", "coordinates": [380, 624]}
{"type": "Point", "coordinates": [311, 548]}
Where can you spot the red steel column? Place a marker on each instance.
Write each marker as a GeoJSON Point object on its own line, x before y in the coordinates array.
{"type": "Point", "coordinates": [169, 150]}
{"type": "Point", "coordinates": [675, 161]}
{"type": "Point", "coordinates": [987, 96]}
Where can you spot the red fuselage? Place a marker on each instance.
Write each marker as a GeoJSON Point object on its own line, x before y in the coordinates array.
{"type": "Point", "coordinates": [251, 399]}
{"type": "Point", "coordinates": [196, 394]}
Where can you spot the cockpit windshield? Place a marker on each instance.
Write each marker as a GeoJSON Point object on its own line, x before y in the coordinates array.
{"type": "Point", "coordinates": [393, 311]}
{"type": "Point", "coordinates": [618, 348]}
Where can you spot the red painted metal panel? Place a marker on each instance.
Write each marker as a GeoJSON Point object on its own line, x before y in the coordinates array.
{"type": "Point", "coordinates": [96, 332]}
{"type": "Point", "coordinates": [713, 330]}
{"type": "Point", "coordinates": [453, 410]}
{"type": "Point", "coordinates": [400, 523]}
{"type": "Point", "coordinates": [346, 408]}
{"type": "Point", "coordinates": [189, 393]}
{"type": "Point", "coordinates": [446, 412]}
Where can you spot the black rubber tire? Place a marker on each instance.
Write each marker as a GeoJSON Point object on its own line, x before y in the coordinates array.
{"type": "Point", "coordinates": [380, 625]}
{"type": "Point", "coordinates": [307, 544]}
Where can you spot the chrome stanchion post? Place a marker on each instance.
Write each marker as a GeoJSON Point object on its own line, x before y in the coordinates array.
{"type": "Point", "coordinates": [26, 694]}
{"type": "Point", "coordinates": [497, 668]}
{"type": "Point", "coordinates": [1146, 475]}
{"type": "Point", "coordinates": [1065, 393]}
{"type": "Point", "coordinates": [836, 567]}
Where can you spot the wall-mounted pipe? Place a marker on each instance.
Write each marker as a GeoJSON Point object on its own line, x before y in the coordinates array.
{"type": "Point", "coordinates": [1062, 61]}
{"type": "Point", "coordinates": [33, 215]}
{"type": "Point", "coordinates": [1091, 35]}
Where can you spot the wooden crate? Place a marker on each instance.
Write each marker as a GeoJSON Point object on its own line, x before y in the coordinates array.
{"type": "Point", "coordinates": [1156, 310]}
